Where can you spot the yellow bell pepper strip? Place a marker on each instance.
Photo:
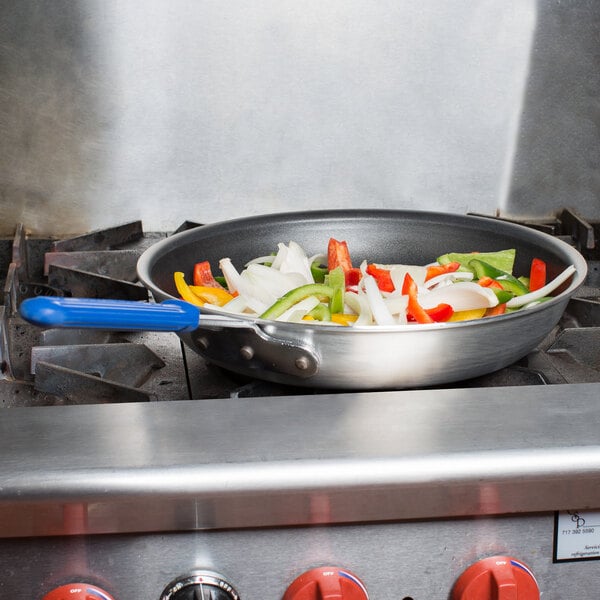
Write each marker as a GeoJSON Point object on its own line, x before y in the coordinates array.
{"type": "Point", "coordinates": [469, 315]}
{"type": "Point", "coordinates": [322, 291]}
{"type": "Point", "coordinates": [184, 290]}
{"type": "Point", "coordinates": [212, 295]}
{"type": "Point", "coordinates": [343, 318]}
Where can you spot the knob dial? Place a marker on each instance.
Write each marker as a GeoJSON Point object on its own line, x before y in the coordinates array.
{"type": "Point", "coordinates": [77, 591]}
{"type": "Point", "coordinates": [326, 583]}
{"type": "Point", "coordinates": [200, 585]}
{"type": "Point", "coordinates": [499, 577]}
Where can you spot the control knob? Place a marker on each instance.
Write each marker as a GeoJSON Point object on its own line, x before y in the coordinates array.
{"type": "Point", "coordinates": [77, 591]}
{"type": "Point", "coordinates": [499, 577]}
{"type": "Point", "coordinates": [326, 583]}
{"type": "Point", "coordinates": [200, 585]}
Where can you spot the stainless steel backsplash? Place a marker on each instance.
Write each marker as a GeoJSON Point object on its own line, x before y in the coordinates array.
{"type": "Point", "coordinates": [167, 110]}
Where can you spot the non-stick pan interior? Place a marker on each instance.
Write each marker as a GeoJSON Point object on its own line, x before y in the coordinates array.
{"type": "Point", "coordinates": [384, 236]}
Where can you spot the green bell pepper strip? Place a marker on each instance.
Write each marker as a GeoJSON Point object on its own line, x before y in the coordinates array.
{"type": "Point", "coordinates": [508, 281]}
{"type": "Point", "coordinates": [337, 280]}
{"type": "Point", "coordinates": [502, 295]}
{"type": "Point", "coordinates": [294, 296]}
{"type": "Point", "coordinates": [318, 271]}
{"type": "Point", "coordinates": [321, 312]}
{"type": "Point", "coordinates": [501, 259]}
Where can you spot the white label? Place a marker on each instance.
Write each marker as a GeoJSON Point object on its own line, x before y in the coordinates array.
{"type": "Point", "coordinates": [577, 535]}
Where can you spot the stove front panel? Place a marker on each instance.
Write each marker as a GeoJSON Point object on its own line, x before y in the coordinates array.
{"type": "Point", "coordinates": [418, 560]}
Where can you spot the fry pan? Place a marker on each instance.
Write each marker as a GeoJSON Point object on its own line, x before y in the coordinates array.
{"type": "Point", "coordinates": [314, 355]}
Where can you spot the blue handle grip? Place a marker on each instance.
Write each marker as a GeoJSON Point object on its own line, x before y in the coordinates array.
{"type": "Point", "coordinates": [123, 315]}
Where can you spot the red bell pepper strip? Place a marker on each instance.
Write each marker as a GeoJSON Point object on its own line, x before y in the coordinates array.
{"type": "Point", "coordinates": [414, 310]}
{"type": "Point", "coordinates": [537, 274]}
{"type": "Point", "coordinates": [435, 270]}
{"type": "Point", "coordinates": [440, 313]}
{"type": "Point", "coordinates": [499, 309]}
{"type": "Point", "coordinates": [203, 275]}
{"type": "Point", "coordinates": [338, 255]}
{"type": "Point", "coordinates": [382, 277]}
{"type": "Point", "coordinates": [489, 282]}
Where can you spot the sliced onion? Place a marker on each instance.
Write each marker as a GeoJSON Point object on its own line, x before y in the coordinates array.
{"type": "Point", "coordinates": [381, 314]}
{"type": "Point", "coordinates": [236, 283]}
{"type": "Point", "coordinates": [358, 303]}
{"type": "Point", "coordinates": [463, 295]}
{"type": "Point", "coordinates": [518, 301]}
{"type": "Point", "coordinates": [448, 279]}
{"type": "Point", "coordinates": [296, 261]}
{"type": "Point", "coordinates": [397, 273]}
{"type": "Point", "coordinates": [272, 281]}
{"type": "Point", "coordinates": [260, 260]}
{"type": "Point", "coordinates": [397, 304]}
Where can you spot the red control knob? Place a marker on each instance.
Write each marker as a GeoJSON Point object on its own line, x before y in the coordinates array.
{"type": "Point", "coordinates": [498, 577]}
{"type": "Point", "coordinates": [77, 591]}
{"type": "Point", "coordinates": [326, 583]}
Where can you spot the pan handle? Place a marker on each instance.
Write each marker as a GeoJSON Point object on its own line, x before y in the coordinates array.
{"type": "Point", "coordinates": [123, 315]}
{"type": "Point", "coordinates": [256, 350]}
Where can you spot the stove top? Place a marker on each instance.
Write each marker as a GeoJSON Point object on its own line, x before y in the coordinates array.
{"type": "Point", "coordinates": [56, 367]}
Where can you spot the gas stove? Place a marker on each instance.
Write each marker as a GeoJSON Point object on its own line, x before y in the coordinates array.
{"type": "Point", "coordinates": [135, 469]}
{"type": "Point", "coordinates": [91, 366]}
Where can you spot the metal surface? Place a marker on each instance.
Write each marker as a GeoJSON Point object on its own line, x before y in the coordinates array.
{"type": "Point", "coordinates": [396, 560]}
{"type": "Point", "coordinates": [195, 110]}
{"type": "Point", "coordinates": [299, 460]}
{"type": "Point", "coordinates": [370, 357]}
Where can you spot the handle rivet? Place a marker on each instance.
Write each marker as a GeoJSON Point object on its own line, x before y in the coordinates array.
{"type": "Point", "coordinates": [247, 352]}
{"type": "Point", "coordinates": [302, 363]}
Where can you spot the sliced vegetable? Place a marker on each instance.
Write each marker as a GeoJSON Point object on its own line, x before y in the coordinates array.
{"type": "Point", "coordinates": [203, 276]}
{"type": "Point", "coordinates": [504, 278]}
{"type": "Point", "coordinates": [462, 295]}
{"type": "Point", "coordinates": [212, 295]}
{"type": "Point", "coordinates": [379, 310]}
{"type": "Point", "coordinates": [502, 259]}
{"type": "Point", "coordinates": [338, 255]}
{"type": "Point", "coordinates": [496, 310]}
{"type": "Point", "coordinates": [383, 278]}
{"type": "Point", "coordinates": [537, 274]}
{"type": "Point", "coordinates": [437, 270]}
{"type": "Point", "coordinates": [320, 290]}
{"type": "Point", "coordinates": [414, 309]}
{"type": "Point", "coordinates": [318, 271]}
{"type": "Point", "coordinates": [442, 312]}
{"type": "Point", "coordinates": [543, 291]}
{"type": "Point", "coordinates": [468, 315]}
{"type": "Point", "coordinates": [337, 281]}
{"type": "Point", "coordinates": [344, 319]}
{"type": "Point", "coordinates": [184, 289]}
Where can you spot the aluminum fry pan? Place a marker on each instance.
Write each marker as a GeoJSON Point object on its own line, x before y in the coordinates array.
{"type": "Point", "coordinates": [353, 358]}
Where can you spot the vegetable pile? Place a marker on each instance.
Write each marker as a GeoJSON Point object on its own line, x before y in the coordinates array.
{"type": "Point", "coordinates": [290, 286]}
